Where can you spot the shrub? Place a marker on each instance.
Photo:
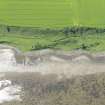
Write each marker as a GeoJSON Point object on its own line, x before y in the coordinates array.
{"type": "Point", "coordinates": [39, 46]}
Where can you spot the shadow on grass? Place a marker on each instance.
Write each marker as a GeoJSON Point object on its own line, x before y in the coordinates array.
{"type": "Point", "coordinates": [54, 44]}
{"type": "Point", "coordinates": [5, 42]}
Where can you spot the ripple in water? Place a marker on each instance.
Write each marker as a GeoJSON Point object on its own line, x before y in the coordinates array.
{"type": "Point", "coordinates": [9, 92]}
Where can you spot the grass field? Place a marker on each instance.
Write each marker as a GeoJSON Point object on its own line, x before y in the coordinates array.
{"type": "Point", "coordinates": [52, 13]}
{"type": "Point", "coordinates": [92, 43]}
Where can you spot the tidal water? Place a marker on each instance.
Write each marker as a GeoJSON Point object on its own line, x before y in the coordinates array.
{"type": "Point", "coordinates": [14, 63]}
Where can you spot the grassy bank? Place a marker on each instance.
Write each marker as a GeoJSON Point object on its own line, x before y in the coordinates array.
{"type": "Point", "coordinates": [67, 38]}
{"type": "Point", "coordinates": [94, 42]}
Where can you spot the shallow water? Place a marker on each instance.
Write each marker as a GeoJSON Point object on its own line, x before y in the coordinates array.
{"type": "Point", "coordinates": [22, 73]}
{"type": "Point", "coordinates": [9, 92]}
{"type": "Point", "coordinates": [49, 61]}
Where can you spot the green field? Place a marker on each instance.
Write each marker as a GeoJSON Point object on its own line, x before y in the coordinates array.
{"type": "Point", "coordinates": [52, 13]}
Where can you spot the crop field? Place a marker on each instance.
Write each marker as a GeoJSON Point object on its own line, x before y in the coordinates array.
{"type": "Point", "coordinates": [49, 14]}
{"type": "Point", "coordinates": [52, 13]}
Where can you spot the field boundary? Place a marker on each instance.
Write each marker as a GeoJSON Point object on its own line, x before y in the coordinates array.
{"type": "Point", "coordinates": [5, 29]}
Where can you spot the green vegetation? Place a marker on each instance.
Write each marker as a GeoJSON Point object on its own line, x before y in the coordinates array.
{"type": "Point", "coordinates": [60, 24]}
{"type": "Point", "coordinates": [54, 19]}
{"type": "Point", "coordinates": [55, 24]}
{"type": "Point", "coordinates": [52, 13]}
{"type": "Point", "coordinates": [88, 42]}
